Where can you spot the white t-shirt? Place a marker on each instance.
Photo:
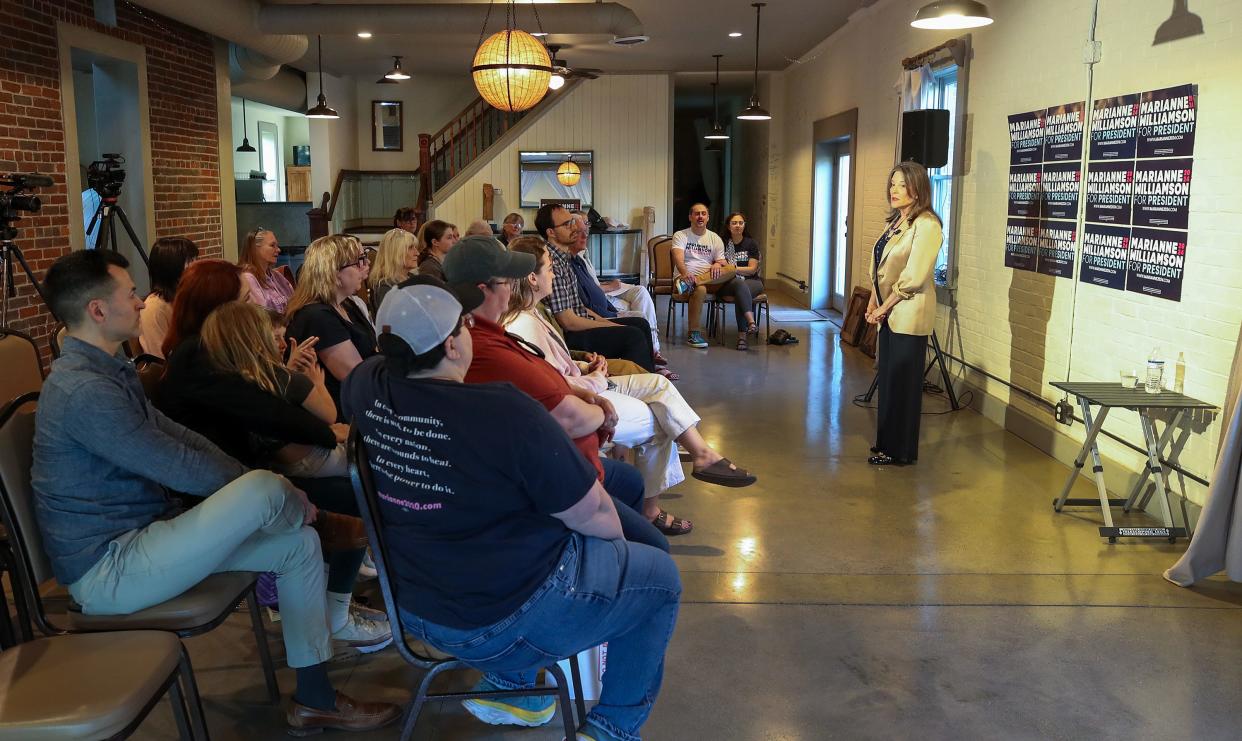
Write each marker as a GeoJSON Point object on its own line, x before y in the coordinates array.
{"type": "Point", "coordinates": [700, 252]}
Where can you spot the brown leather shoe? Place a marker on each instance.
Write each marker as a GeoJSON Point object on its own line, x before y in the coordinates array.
{"type": "Point", "coordinates": [339, 532]}
{"type": "Point", "coordinates": [349, 715]}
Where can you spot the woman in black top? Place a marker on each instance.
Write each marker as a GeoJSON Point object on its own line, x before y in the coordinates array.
{"type": "Point", "coordinates": [742, 251]}
{"type": "Point", "coordinates": [320, 307]}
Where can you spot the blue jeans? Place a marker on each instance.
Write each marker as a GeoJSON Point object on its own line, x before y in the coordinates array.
{"type": "Point", "coordinates": [625, 484]}
{"type": "Point", "coordinates": [600, 590]}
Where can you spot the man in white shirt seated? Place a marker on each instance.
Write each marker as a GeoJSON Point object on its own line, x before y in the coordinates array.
{"type": "Point", "coordinates": [699, 261]}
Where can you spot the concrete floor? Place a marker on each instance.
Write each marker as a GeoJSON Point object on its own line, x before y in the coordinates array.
{"type": "Point", "coordinates": [837, 600]}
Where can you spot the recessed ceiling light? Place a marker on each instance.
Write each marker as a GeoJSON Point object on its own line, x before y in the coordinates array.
{"type": "Point", "coordinates": [735, 34]}
{"type": "Point", "coordinates": [364, 34]}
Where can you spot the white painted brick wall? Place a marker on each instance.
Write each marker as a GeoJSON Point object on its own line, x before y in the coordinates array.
{"type": "Point", "coordinates": [1018, 325]}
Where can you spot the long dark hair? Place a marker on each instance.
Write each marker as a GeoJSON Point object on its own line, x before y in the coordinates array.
{"type": "Point", "coordinates": [169, 256]}
{"type": "Point", "coordinates": [728, 234]}
{"type": "Point", "coordinates": [431, 231]}
{"type": "Point", "coordinates": [919, 188]}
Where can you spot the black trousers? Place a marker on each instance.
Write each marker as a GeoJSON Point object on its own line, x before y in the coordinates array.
{"type": "Point", "coordinates": [902, 358]}
{"type": "Point", "coordinates": [743, 291]}
{"type": "Point", "coordinates": [631, 341]}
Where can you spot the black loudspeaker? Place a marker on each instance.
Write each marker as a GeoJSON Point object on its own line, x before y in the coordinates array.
{"type": "Point", "coordinates": [925, 137]}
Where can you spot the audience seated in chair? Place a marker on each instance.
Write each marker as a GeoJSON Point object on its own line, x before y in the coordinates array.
{"type": "Point", "coordinates": [257, 258]}
{"type": "Point", "coordinates": [511, 228]}
{"type": "Point", "coordinates": [322, 307]}
{"type": "Point", "coordinates": [585, 329]}
{"type": "Point", "coordinates": [435, 239]}
{"type": "Point", "coordinates": [405, 218]}
{"type": "Point", "coordinates": [699, 261]}
{"type": "Point", "coordinates": [226, 383]}
{"type": "Point", "coordinates": [102, 459]}
{"type": "Point", "coordinates": [653, 416]}
{"type": "Point", "coordinates": [479, 228]}
{"type": "Point", "coordinates": [741, 252]}
{"type": "Point", "coordinates": [497, 546]}
{"type": "Point", "coordinates": [169, 258]}
{"type": "Point", "coordinates": [624, 299]}
{"type": "Point", "coordinates": [396, 260]}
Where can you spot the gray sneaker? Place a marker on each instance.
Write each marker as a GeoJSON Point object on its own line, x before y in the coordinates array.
{"type": "Point", "coordinates": [363, 635]}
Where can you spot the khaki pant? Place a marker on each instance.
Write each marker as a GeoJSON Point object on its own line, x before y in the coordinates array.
{"type": "Point", "coordinates": [704, 284]}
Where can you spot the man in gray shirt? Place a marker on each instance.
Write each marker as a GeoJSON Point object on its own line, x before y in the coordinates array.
{"type": "Point", "coordinates": [102, 459]}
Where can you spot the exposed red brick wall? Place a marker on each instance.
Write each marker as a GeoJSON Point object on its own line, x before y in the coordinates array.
{"type": "Point", "coordinates": [181, 88]}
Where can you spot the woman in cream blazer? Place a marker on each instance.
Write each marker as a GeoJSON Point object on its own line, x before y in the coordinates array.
{"type": "Point", "coordinates": [903, 304]}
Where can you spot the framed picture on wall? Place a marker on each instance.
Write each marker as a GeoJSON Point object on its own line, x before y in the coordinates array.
{"type": "Point", "coordinates": [386, 126]}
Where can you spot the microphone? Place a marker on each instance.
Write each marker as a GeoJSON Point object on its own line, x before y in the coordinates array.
{"type": "Point", "coordinates": [33, 180]}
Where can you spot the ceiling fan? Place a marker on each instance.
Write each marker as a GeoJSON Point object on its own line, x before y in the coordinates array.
{"type": "Point", "coordinates": [561, 68]}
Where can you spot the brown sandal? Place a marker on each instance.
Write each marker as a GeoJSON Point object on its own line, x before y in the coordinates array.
{"type": "Point", "coordinates": [669, 525]}
{"type": "Point", "coordinates": [741, 343]}
{"type": "Point", "coordinates": [724, 473]}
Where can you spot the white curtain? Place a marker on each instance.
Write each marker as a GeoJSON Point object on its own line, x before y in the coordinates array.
{"type": "Point", "coordinates": [911, 87]}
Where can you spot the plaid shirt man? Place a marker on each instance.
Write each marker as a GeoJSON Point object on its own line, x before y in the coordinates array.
{"type": "Point", "coordinates": [565, 293]}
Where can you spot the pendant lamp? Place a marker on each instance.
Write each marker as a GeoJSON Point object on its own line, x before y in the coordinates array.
{"type": "Point", "coordinates": [245, 145]}
{"type": "Point", "coordinates": [321, 109]}
{"type": "Point", "coordinates": [396, 74]}
{"type": "Point", "coordinates": [952, 14]}
{"type": "Point", "coordinates": [754, 111]}
{"type": "Point", "coordinates": [717, 131]}
{"type": "Point", "coordinates": [511, 69]}
{"type": "Point", "coordinates": [568, 174]}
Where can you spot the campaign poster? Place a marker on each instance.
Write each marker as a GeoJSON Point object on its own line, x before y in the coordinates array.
{"type": "Point", "coordinates": [1056, 242]}
{"type": "Point", "coordinates": [1021, 243]}
{"type": "Point", "coordinates": [1105, 255]}
{"type": "Point", "coordinates": [1162, 193]}
{"type": "Point", "coordinates": [1026, 138]}
{"type": "Point", "coordinates": [1166, 125]}
{"type": "Point", "coordinates": [1157, 262]}
{"type": "Point", "coordinates": [1059, 184]}
{"type": "Point", "coordinates": [1024, 190]}
{"type": "Point", "coordinates": [1114, 128]}
{"type": "Point", "coordinates": [1063, 127]}
{"type": "Point", "coordinates": [1110, 191]}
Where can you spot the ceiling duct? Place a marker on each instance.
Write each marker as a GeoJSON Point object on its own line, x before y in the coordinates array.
{"type": "Point", "coordinates": [260, 54]}
{"type": "Point", "coordinates": [612, 19]}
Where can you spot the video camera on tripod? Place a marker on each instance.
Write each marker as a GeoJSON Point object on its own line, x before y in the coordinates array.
{"type": "Point", "coordinates": [106, 175]}
{"type": "Point", "coordinates": [13, 202]}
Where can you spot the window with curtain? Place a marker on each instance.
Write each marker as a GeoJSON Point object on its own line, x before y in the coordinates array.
{"type": "Point", "coordinates": [941, 92]}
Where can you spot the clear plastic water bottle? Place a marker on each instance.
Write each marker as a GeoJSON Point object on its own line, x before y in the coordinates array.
{"type": "Point", "coordinates": [1155, 372]}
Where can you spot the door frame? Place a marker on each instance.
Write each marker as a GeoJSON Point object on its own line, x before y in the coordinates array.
{"type": "Point", "coordinates": [839, 126]}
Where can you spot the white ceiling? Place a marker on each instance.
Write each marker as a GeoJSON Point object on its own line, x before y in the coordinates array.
{"type": "Point", "coordinates": [684, 34]}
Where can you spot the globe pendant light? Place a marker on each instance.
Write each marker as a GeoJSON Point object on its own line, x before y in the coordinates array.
{"type": "Point", "coordinates": [245, 145]}
{"type": "Point", "coordinates": [395, 74]}
{"type": "Point", "coordinates": [754, 111]}
{"type": "Point", "coordinates": [321, 110]}
{"type": "Point", "coordinates": [568, 174]}
{"type": "Point", "coordinates": [511, 69]}
{"type": "Point", "coordinates": [952, 14]}
{"type": "Point", "coordinates": [717, 131]}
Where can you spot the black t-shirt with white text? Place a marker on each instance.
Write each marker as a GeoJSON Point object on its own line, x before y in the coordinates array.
{"type": "Point", "coordinates": [468, 478]}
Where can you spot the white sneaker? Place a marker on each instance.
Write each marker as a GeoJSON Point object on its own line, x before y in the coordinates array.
{"type": "Point", "coordinates": [367, 570]}
{"type": "Point", "coordinates": [365, 636]}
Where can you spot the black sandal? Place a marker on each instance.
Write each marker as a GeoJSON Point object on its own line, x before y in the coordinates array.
{"type": "Point", "coordinates": [741, 343]}
{"type": "Point", "coordinates": [669, 525]}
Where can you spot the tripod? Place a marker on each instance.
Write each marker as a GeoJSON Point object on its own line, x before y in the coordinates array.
{"type": "Point", "coordinates": [944, 374]}
{"type": "Point", "coordinates": [9, 251]}
{"type": "Point", "coordinates": [106, 215]}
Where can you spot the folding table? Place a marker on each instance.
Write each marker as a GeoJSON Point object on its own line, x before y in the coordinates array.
{"type": "Point", "coordinates": [1106, 396]}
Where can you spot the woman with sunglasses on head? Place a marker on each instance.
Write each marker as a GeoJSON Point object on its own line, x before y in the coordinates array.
{"type": "Point", "coordinates": [435, 239]}
{"type": "Point", "coordinates": [322, 307]}
{"type": "Point", "coordinates": [903, 306]}
{"type": "Point", "coordinates": [742, 252]}
{"type": "Point", "coordinates": [257, 258]}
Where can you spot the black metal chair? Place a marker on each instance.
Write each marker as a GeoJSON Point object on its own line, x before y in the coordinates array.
{"type": "Point", "coordinates": [199, 610]}
{"type": "Point", "coordinates": [415, 652]}
{"type": "Point", "coordinates": [716, 321]}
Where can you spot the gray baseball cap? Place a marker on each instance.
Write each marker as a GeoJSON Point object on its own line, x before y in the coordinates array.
{"type": "Point", "coordinates": [423, 312]}
{"type": "Point", "coordinates": [478, 259]}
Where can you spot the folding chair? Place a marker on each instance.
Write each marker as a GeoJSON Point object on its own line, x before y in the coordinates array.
{"type": "Point", "coordinates": [420, 654]}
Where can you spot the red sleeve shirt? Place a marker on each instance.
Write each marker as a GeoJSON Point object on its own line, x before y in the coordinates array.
{"type": "Point", "coordinates": [498, 357]}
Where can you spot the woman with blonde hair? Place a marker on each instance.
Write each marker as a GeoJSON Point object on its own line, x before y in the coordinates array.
{"type": "Point", "coordinates": [396, 260]}
{"type": "Point", "coordinates": [653, 416]}
{"type": "Point", "coordinates": [257, 259]}
{"type": "Point", "coordinates": [435, 239]}
{"type": "Point", "coordinates": [903, 306]}
{"type": "Point", "coordinates": [321, 307]}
